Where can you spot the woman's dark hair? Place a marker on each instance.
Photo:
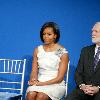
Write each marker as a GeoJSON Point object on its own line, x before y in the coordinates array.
{"type": "Point", "coordinates": [55, 28]}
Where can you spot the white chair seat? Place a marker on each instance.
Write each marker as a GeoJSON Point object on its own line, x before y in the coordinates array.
{"type": "Point", "coordinates": [7, 95]}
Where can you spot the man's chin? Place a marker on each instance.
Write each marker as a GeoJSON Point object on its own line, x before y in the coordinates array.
{"type": "Point", "coordinates": [96, 40]}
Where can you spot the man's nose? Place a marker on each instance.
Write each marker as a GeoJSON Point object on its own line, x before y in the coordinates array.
{"type": "Point", "coordinates": [93, 32]}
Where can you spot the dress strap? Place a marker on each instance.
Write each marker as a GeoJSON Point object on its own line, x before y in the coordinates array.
{"type": "Point", "coordinates": [40, 48]}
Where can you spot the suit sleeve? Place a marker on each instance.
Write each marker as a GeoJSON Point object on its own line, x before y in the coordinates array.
{"type": "Point", "coordinates": [80, 69]}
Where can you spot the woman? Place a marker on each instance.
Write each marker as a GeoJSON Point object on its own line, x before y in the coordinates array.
{"type": "Point", "coordinates": [49, 66]}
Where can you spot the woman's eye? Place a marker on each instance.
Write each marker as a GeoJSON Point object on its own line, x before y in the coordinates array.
{"type": "Point", "coordinates": [43, 33]}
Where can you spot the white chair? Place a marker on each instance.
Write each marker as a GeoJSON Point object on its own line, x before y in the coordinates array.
{"type": "Point", "coordinates": [11, 79]}
{"type": "Point", "coordinates": [67, 76]}
{"type": "Point", "coordinates": [66, 81]}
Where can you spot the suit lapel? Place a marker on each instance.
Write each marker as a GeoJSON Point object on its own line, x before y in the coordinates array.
{"type": "Point", "coordinates": [91, 60]}
{"type": "Point", "coordinates": [98, 66]}
{"type": "Point", "coordinates": [91, 57]}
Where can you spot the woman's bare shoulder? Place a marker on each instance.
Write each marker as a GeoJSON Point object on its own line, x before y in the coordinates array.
{"type": "Point", "coordinates": [59, 46]}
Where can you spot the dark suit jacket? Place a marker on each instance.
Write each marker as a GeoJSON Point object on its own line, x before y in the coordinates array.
{"type": "Point", "coordinates": [84, 72]}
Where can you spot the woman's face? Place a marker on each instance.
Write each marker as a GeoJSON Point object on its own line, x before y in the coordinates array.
{"type": "Point", "coordinates": [48, 35]}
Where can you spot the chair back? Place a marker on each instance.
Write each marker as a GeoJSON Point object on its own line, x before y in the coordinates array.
{"type": "Point", "coordinates": [67, 76]}
{"type": "Point", "coordinates": [12, 76]}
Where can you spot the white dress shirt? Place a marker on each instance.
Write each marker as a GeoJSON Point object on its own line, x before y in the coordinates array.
{"type": "Point", "coordinates": [96, 48]}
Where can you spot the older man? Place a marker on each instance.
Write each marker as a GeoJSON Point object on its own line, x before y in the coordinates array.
{"type": "Point", "coordinates": [87, 75]}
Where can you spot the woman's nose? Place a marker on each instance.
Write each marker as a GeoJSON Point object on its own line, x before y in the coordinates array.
{"type": "Point", "coordinates": [46, 35]}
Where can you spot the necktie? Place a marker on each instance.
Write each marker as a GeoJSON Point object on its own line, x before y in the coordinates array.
{"type": "Point", "coordinates": [96, 58]}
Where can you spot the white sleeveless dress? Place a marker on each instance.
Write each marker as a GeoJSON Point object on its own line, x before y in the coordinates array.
{"type": "Point", "coordinates": [48, 64]}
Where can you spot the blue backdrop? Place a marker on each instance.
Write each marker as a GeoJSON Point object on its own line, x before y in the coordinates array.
{"type": "Point", "coordinates": [21, 20]}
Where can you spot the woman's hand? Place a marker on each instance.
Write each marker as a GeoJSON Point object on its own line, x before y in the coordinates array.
{"type": "Point", "coordinates": [36, 83]}
{"type": "Point", "coordinates": [32, 82]}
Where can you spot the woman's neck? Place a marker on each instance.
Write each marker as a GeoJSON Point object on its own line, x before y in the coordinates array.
{"type": "Point", "coordinates": [50, 47]}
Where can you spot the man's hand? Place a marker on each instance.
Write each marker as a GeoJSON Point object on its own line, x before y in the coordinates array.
{"type": "Point", "coordinates": [92, 90]}
{"type": "Point", "coordinates": [89, 89]}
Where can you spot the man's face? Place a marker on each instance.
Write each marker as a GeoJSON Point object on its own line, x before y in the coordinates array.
{"type": "Point", "coordinates": [96, 33]}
